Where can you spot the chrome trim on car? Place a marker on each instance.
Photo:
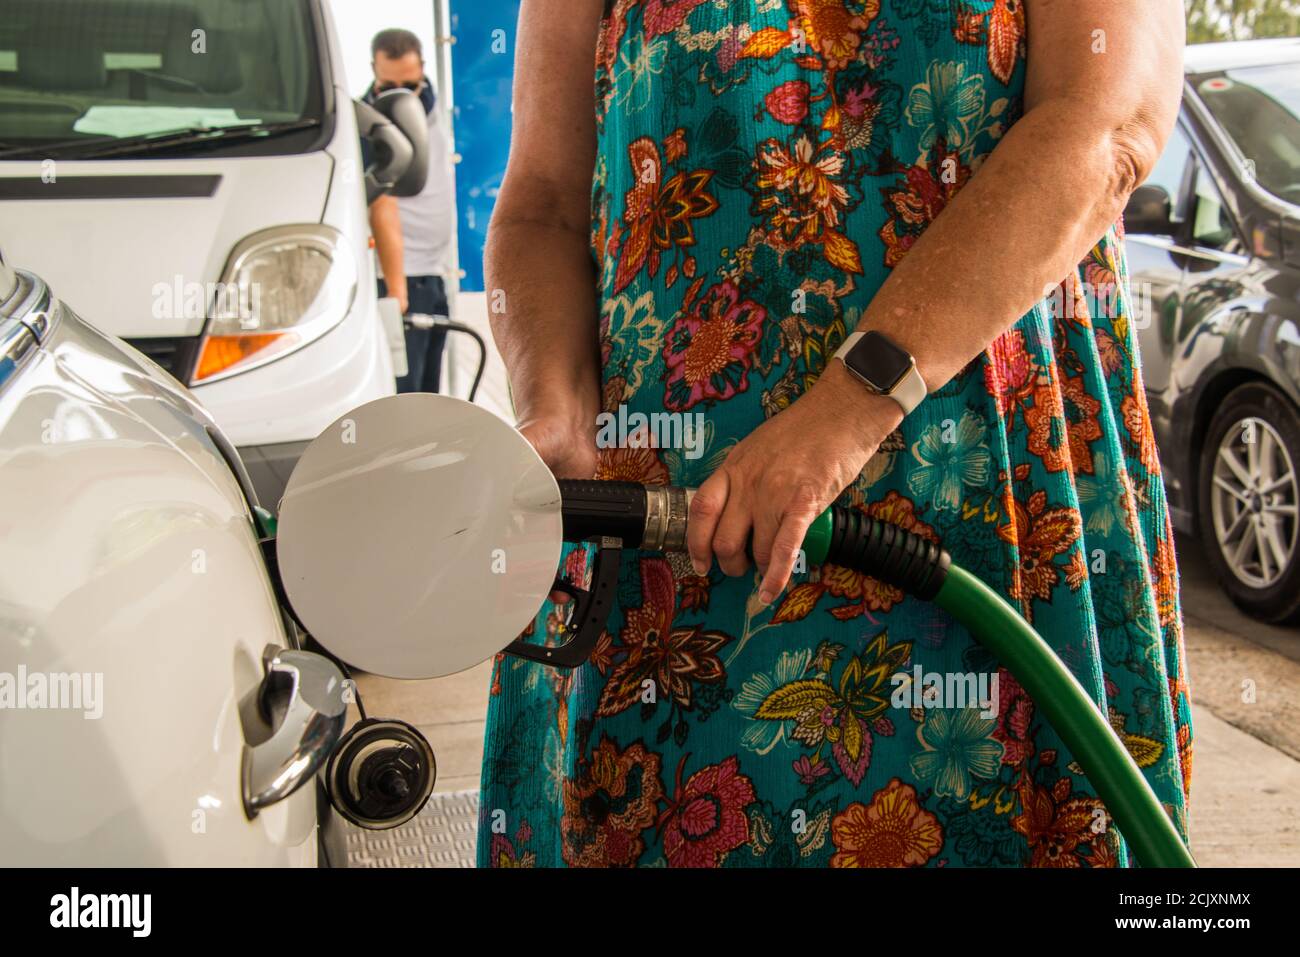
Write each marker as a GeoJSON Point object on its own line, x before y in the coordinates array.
{"type": "Point", "coordinates": [1218, 256]}
{"type": "Point", "coordinates": [17, 346]}
{"type": "Point", "coordinates": [311, 721]}
{"type": "Point", "coordinates": [1214, 255]}
{"type": "Point", "coordinates": [30, 303]}
{"type": "Point", "coordinates": [25, 321]}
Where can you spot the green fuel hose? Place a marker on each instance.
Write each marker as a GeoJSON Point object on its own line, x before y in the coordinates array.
{"type": "Point", "coordinates": [656, 518]}
{"type": "Point", "coordinates": [923, 569]}
{"type": "Point", "coordinates": [1132, 804]}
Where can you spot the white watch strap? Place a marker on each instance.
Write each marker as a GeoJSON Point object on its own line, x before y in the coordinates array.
{"type": "Point", "coordinates": [847, 345]}
{"type": "Point", "coordinates": [910, 391]}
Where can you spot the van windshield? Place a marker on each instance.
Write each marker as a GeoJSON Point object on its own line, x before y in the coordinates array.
{"type": "Point", "coordinates": [136, 76]}
{"type": "Point", "coordinates": [1259, 107]}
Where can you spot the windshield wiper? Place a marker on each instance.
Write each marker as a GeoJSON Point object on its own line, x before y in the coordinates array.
{"type": "Point", "coordinates": [99, 147]}
{"type": "Point", "coordinates": [46, 150]}
{"type": "Point", "coordinates": [197, 136]}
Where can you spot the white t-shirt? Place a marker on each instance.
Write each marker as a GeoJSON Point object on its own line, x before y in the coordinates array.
{"type": "Point", "coordinates": [429, 219]}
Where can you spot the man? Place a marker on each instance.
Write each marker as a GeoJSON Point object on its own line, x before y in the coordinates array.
{"type": "Point", "coordinates": [413, 235]}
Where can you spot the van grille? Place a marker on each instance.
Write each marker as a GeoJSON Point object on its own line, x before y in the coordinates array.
{"type": "Point", "coordinates": [175, 354]}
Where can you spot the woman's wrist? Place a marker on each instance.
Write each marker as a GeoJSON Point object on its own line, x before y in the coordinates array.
{"type": "Point", "coordinates": [559, 415]}
{"type": "Point", "coordinates": [872, 415]}
{"type": "Point", "coordinates": [562, 405]}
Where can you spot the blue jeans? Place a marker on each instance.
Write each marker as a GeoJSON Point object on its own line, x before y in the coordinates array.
{"type": "Point", "coordinates": [424, 347]}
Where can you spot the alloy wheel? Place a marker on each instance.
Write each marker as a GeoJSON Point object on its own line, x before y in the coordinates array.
{"type": "Point", "coordinates": [1254, 502]}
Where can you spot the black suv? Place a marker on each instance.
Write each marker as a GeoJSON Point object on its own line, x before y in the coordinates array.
{"type": "Point", "coordinates": [1214, 252]}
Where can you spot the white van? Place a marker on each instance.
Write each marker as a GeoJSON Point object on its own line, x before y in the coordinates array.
{"type": "Point", "coordinates": [188, 172]}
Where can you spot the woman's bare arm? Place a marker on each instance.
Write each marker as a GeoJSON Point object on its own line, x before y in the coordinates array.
{"type": "Point", "coordinates": [540, 283]}
{"type": "Point", "coordinates": [1094, 125]}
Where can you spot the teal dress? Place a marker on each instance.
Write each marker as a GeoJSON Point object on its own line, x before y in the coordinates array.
{"type": "Point", "coordinates": [762, 166]}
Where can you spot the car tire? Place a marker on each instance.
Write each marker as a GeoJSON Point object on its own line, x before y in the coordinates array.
{"type": "Point", "coordinates": [1248, 507]}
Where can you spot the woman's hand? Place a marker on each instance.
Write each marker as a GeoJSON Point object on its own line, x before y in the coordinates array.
{"type": "Point", "coordinates": [784, 474]}
{"type": "Point", "coordinates": [568, 449]}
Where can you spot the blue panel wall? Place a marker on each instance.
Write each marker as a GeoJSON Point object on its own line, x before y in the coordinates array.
{"type": "Point", "coordinates": [482, 61]}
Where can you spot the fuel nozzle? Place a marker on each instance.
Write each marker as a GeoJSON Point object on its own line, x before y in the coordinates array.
{"type": "Point", "coordinates": [655, 517]}
{"type": "Point", "coordinates": [652, 517]}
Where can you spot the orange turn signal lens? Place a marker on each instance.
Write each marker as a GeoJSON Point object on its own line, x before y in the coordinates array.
{"type": "Point", "coordinates": [223, 352]}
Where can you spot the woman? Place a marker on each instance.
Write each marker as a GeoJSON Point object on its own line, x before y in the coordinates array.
{"type": "Point", "coordinates": [744, 184]}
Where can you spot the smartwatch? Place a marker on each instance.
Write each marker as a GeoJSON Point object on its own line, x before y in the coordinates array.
{"type": "Point", "coordinates": [886, 369]}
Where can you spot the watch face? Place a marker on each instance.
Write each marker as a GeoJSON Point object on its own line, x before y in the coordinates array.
{"type": "Point", "coordinates": [880, 363]}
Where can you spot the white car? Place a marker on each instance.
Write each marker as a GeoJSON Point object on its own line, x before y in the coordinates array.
{"type": "Point", "coordinates": [189, 174]}
{"type": "Point", "coordinates": [154, 706]}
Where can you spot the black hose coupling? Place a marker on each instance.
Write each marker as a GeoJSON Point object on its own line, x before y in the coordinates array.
{"type": "Point", "coordinates": [887, 552]}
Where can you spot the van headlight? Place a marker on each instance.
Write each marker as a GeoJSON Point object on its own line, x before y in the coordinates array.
{"type": "Point", "coordinates": [281, 289]}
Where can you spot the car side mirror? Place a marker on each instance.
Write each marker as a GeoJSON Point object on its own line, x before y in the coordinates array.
{"type": "Point", "coordinates": [1148, 211]}
{"type": "Point", "coordinates": [397, 129]}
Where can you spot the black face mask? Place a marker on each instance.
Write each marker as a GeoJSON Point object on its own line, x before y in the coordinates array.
{"type": "Point", "coordinates": [425, 88]}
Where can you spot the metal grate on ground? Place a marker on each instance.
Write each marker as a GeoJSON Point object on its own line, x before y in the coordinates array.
{"type": "Point", "coordinates": [443, 834]}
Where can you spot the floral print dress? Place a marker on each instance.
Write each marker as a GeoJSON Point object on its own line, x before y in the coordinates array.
{"type": "Point", "coordinates": [762, 165]}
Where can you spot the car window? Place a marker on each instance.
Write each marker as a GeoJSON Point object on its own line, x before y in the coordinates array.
{"type": "Point", "coordinates": [1171, 167]}
{"type": "Point", "coordinates": [1259, 108]}
{"type": "Point", "coordinates": [1211, 224]}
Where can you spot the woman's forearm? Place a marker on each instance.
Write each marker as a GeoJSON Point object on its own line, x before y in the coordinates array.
{"type": "Point", "coordinates": [541, 284]}
{"type": "Point", "coordinates": [1042, 200]}
{"type": "Point", "coordinates": [542, 307]}
{"type": "Point", "coordinates": [1102, 95]}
